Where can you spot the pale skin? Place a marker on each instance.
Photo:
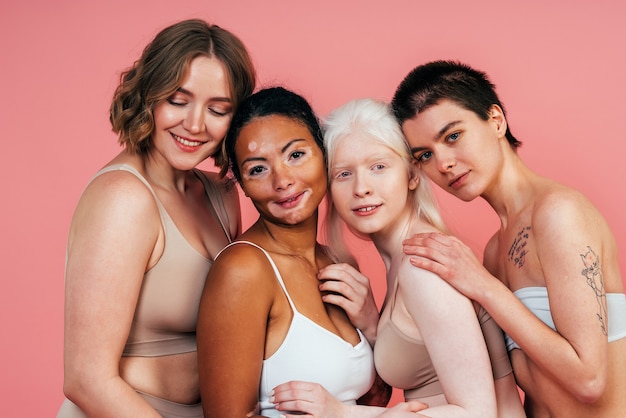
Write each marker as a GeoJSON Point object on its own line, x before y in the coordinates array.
{"type": "Point", "coordinates": [116, 235]}
{"type": "Point", "coordinates": [368, 175]}
{"type": "Point", "coordinates": [283, 173]}
{"type": "Point", "coordinates": [549, 236]}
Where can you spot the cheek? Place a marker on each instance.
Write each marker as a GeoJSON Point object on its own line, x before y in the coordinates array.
{"type": "Point", "coordinates": [218, 127]}
{"type": "Point", "coordinates": [164, 116]}
{"type": "Point", "coordinates": [340, 195]}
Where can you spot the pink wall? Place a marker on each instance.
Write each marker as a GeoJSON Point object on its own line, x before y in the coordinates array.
{"type": "Point", "coordinates": [559, 68]}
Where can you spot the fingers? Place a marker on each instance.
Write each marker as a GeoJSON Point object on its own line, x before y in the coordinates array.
{"type": "Point", "coordinates": [344, 273]}
{"type": "Point", "coordinates": [415, 406]}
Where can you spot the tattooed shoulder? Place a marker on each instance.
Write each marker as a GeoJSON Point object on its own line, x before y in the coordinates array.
{"type": "Point", "coordinates": [518, 250]}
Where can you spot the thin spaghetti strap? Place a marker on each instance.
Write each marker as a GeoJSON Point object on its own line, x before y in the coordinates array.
{"type": "Point", "coordinates": [215, 198]}
{"type": "Point", "coordinates": [276, 272]}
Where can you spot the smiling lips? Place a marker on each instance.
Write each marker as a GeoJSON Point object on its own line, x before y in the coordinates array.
{"type": "Point", "coordinates": [457, 182]}
{"type": "Point", "coordinates": [365, 210]}
{"type": "Point", "coordinates": [186, 142]}
{"type": "Point", "coordinates": [291, 201]}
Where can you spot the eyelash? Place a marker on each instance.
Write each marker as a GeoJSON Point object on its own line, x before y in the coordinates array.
{"type": "Point", "coordinates": [181, 104]}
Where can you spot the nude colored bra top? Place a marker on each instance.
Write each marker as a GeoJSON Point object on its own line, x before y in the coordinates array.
{"type": "Point", "coordinates": [536, 300]}
{"type": "Point", "coordinates": [167, 309]}
{"type": "Point", "coordinates": [312, 353]}
{"type": "Point", "coordinates": [403, 362]}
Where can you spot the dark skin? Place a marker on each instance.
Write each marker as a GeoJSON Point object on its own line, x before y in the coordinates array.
{"type": "Point", "coordinates": [244, 313]}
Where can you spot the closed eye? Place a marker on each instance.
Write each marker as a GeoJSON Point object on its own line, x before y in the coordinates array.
{"type": "Point", "coordinates": [219, 112]}
{"type": "Point", "coordinates": [176, 102]}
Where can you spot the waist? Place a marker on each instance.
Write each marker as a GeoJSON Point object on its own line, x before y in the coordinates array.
{"type": "Point", "coordinates": [177, 344]}
{"type": "Point", "coordinates": [174, 377]}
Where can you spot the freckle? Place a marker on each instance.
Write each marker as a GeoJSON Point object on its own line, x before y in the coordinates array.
{"type": "Point", "coordinates": [252, 146]}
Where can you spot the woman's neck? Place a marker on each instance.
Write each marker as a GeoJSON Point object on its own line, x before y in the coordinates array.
{"type": "Point", "coordinates": [161, 173]}
{"type": "Point", "coordinates": [512, 189]}
{"type": "Point", "coordinates": [300, 239]}
{"type": "Point", "coordinates": [388, 241]}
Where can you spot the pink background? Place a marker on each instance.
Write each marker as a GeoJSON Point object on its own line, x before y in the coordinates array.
{"type": "Point", "coordinates": [558, 66]}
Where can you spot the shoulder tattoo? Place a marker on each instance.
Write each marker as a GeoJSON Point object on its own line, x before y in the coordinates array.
{"type": "Point", "coordinates": [593, 273]}
{"type": "Point", "coordinates": [517, 252]}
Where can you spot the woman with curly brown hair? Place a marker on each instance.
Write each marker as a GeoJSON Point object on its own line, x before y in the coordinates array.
{"type": "Point", "coordinates": [148, 226]}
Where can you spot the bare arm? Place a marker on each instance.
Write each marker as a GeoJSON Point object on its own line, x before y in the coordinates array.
{"type": "Point", "coordinates": [565, 233]}
{"type": "Point", "coordinates": [449, 327]}
{"type": "Point", "coordinates": [232, 324]}
{"type": "Point", "coordinates": [315, 401]}
{"type": "Point", "coordinates": [112, 239]}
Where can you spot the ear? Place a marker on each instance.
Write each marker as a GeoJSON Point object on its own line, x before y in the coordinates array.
{"type": "Point", "coordinates": [496, 115]}
{"type": "Point", "coordinates": [414, 177]}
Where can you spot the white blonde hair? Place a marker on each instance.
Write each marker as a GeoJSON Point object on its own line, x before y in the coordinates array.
{"type": "Point", "coordinates": [372, 119]}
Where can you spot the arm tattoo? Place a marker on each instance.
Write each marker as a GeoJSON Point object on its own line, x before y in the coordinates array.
{"type": "Point", "coordinates": [517, 252]}
{"type": "Point", "coordinates": [593, 273]}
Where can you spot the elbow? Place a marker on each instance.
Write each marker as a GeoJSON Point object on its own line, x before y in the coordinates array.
{"type": "Point", "coordinates": [77, 384]}
{"type": "Point", "coordinates": [589, 391]}
{"type": "Point", "coordinates": [72, 388]}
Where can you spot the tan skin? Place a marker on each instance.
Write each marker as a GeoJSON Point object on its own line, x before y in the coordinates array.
{"type": "Point", "coordinates": [116, 235]}
{"type": "Point", "coordinates": [257, 320]}
{"type": "Point", "coordinates": [244, 313]}
{"type": "Point", "coordinates": [555, 234]}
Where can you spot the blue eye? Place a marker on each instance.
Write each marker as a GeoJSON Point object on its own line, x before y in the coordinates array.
{"type": "Point", "coordinates": [453, 137]}
{"type": "Point", "coordinates": [424, 157]}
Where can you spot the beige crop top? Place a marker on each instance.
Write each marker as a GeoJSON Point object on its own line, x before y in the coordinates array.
{"type": "Point", "coordinates": [167, 309]}
{"type": "Point", "coordinates": [404, 362]}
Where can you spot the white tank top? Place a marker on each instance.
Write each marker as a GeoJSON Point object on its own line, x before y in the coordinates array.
{"type": "Point", "coordinates": [311, 353]}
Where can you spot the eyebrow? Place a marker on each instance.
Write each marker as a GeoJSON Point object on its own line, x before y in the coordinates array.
{"type": "Point", "coordinates": [215, 99]}
{"type": "Point", "coordinates": [282, 150]}
{"type": "Point", "coordinates": [439, 134]}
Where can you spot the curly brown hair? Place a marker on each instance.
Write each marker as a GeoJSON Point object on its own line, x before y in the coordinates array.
{"type": "Point", "coordinates": [160, 71]}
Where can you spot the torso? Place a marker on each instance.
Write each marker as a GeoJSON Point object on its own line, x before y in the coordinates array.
{"type": "Point", "coordinates": [195, 230]}
{"type": "Point", "coordinates": [307, 340]}
{"type": "Point", "coordinates": [511, 255]}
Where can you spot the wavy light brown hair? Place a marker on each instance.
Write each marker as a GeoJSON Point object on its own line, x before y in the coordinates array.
{"type": "Point", "coordinates": [160, 71]}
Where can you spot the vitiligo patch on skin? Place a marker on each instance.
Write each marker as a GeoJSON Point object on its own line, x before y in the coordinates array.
{"type": "Point", "coordinates": [252, 146]}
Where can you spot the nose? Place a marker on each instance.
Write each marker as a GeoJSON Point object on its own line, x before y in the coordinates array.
{"type": "Point", "coordinates": [194, 120]}
{"type": "Point", "coordinates": [283, 178]}
{"type": "Point", "coordinates": [361, 186]}
{"type": "Point", "coordinates": [446, 162]}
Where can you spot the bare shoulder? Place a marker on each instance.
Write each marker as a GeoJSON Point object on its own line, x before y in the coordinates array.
{"type": "Point", "coordinates": [419, 281]}
{"type": "Point", "coordinates": [490, 254]}
{"type": "Point", "coordinates": [242, 266]}
{"type": "Point", "coordinates": [117, 193]}
{"type": "Point", "coordinates": [560, 207]}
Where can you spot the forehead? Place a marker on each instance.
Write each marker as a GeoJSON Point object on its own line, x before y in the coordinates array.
{"type": "Point", "coordinates": [357, 147]}
{"type": "Point", "coordinates": [430, 122]}
{"type": "Point", "coordinates": [207, 73]}
{"type": "Point", "coordinates": [265, 133]}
